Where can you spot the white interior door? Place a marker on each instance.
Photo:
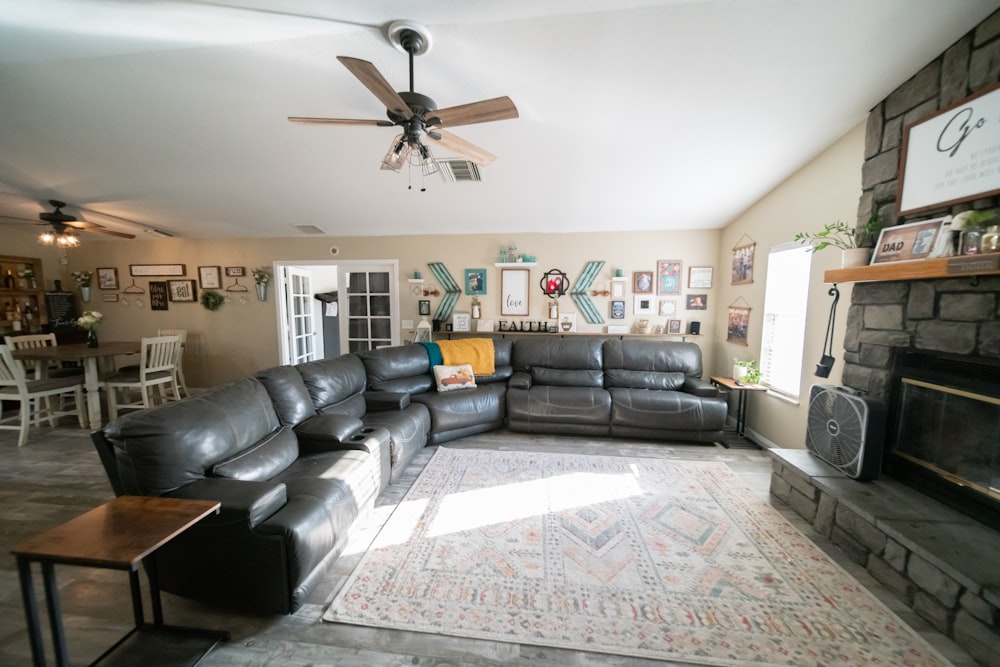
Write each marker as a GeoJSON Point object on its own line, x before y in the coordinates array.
{"type": "Point", "coordinates": [301, 329]}
{"type": "Point", "coordinates": [368, 301]}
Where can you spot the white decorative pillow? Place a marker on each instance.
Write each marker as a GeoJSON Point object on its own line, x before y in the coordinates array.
{"type": "Point", "coordinates": [454, 377]}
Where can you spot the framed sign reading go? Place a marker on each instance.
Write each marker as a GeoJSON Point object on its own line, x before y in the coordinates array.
{"type": "Point", "coordinates": [952, 156]}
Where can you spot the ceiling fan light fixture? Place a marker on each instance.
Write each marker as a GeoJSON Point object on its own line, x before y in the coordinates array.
{"type": "Point", "coordinates": [60, 239]}
{"type": "Point", "coordinates": [399, 151]}
{"type": "Point", "coordinates": [428, 165]}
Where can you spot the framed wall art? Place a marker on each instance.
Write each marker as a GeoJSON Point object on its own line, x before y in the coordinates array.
{"type": "Point", "coordinates": [107, 278]}
{"type": "Point", "coordinates": [475, 282]}
{"type": "Point", "coordinates": [906, 242]}
{"type": "Point", "coordinates": [950, 156]}
{"type": "Point", "coordinates": [461, 322]}
{"type": "Point", "coordinates": [668, 276]}
{"type": "Point", "coordinates": [642, 282]}
{"type": "Point", "coordinates": [668, 308]}
{"type": "Point", "coordinates": [514, 291]}
{"type": "Point", "coordinates": [617, 309]}
{"type": "Point", "coordinates": [700, 277]}
{"type": "Point", "coordinates": [696, 302]}
{"type": "Point", "coordinates": [182, 290]}
{"type": "Point", "coordinates": [209, 277]}
{"type": "Point", "coordinates": [158, 295]}
{"type": "Point", "coordinates": [424, 307]}
{"type": "Point", "coordinates": [643, 304]}
{"type": "Point", "coordinates": [743, 264]}
{"type": "Point", "coordinates": [617, 289]}
{"type": "Point", "coordinates": [156, 270]}
{"type": "Point", "coordinates": [554, 283]}
{"type": "Point", "coordinates": [674, 326]}
{"type": "Point", "coordinates": [236, 271]}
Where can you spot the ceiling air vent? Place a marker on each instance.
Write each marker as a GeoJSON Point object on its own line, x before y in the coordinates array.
{"type": "Point", "coordinates": [309, 229]}
{"type": "Point", "coordinates": [455, 170]}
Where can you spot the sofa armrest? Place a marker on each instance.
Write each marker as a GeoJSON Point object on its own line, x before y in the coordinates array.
{"type": "Point", "coordinates": [326, 432]}
{"type": "Point", "coordinates": [242, 501]}
{"type": "Point", "coordinates": [699, 387]}
{"type": "Point", "coordinates": [519, 380]}
{"type": "Point", "coordinates": [382, 401]}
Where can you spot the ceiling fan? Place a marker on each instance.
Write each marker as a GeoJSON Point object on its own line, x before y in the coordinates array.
{"type": "Point", "coordinates": [64, 227]}
{"type": "Point", "coordinates": [415, 114]}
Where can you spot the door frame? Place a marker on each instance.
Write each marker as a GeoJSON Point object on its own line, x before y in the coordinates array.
{"type": "Point", "coordinates": [277, 270]}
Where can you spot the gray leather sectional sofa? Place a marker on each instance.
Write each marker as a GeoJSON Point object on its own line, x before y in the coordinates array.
{"type": "Point", "coordinates": [297, 453]}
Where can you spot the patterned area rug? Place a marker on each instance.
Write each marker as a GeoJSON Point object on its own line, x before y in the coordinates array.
{"type": "Point", "coordinates": [641, 557]}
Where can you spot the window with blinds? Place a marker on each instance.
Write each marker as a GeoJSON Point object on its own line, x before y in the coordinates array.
{"type": "Point", "coordinates": [786, 294]}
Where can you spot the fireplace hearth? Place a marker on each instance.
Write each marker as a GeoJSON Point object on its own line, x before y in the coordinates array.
{"type": "Point", "coordinates": [944, 431]}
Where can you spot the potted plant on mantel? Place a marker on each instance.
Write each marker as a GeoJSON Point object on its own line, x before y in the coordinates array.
{"type": "Point", "coordinates": [855, 243]}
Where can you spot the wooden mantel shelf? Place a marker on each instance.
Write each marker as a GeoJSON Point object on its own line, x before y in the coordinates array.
{"type": "Point", "coordinates": [922, 269]}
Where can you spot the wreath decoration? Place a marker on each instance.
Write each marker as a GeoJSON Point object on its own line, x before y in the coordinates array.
{"type": "Point", "coordinates": [212, 299]}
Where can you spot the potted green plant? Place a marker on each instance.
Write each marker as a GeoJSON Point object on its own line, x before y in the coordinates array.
{"type": "Point", "coordinates": [855, 243]}
{"type": "Point", "coordinates": [746, 372]}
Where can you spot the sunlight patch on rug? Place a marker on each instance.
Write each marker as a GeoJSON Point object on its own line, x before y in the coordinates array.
{"type": "Point", "coordinates": [642, 557]}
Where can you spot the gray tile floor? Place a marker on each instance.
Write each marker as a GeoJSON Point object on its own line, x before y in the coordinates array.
{"type": "Point", "coordinates": [58, 476]}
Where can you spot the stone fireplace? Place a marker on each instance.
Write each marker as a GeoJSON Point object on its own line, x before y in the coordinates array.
{"type": "Point", "coordinates": [943, 338]}
{"type": "Point", "coordinates": [938, 332]}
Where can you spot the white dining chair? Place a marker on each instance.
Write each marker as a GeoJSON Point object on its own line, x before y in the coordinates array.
{"type": "Point", "coordinates": [30, 394]}
{"type": "Point", "coordinates": [55, 369]}
{"type": "Point", "coordinates": [156, 370]}
{"type": "Point", "coordinates": [182, 334]}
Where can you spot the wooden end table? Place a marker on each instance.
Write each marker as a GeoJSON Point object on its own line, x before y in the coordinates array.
{"type": "Point", "coordinates": [741, 391]}
{"type": "Point", "coordinates": [118, 535]}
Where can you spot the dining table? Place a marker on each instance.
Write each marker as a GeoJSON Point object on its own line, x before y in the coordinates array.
{"type": "Point", "coordinates": [89, 357]}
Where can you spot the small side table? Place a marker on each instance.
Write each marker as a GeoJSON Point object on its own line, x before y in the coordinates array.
{"type": "Point", "coordinates": [741, 391]}
{"type": "Point", "coordinates": [118, 535]}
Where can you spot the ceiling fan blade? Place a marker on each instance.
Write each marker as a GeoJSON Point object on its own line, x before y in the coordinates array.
{"type": "Point", "coordinates": [373, 80]}
{"type": "Point", "coordinates": [109, 232]}
{"type": "Point", "coordinates": [461, 147]}
{"type": "Point", "coordinates": [339, 121]}
{"type": "Point", "coordinates": [498, 108]}
{"type": "Point", "coordinates": [85, 226]}
{"type": "Point", "coordinates": [25, 220]}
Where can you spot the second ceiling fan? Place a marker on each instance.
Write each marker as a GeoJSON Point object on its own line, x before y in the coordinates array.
{"type": "Point", "coordinates": [415, 114]}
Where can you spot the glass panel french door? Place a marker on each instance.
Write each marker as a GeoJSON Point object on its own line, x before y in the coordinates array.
{"type": "Point", "coordinates": [301, 325]}
{"type": "Point", "coordinates": [369, 320]}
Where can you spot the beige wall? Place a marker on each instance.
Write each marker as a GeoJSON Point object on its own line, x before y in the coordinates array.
{"type": "Point", "coordinates": [240, 339]}
{"type": "Point", "coordinates": [825, 190]}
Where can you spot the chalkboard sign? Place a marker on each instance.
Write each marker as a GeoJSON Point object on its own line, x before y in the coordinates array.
{"type": "Point", "coordinates": [61, 307]}
{"type": "Point", "coordinates": [158, 295]}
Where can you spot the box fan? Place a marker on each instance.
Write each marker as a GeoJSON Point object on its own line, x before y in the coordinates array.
{"type": "Point", "coordinates": [846, 429]}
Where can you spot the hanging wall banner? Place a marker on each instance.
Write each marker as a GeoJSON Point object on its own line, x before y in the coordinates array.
{"type": "Point", "coordinates": [739, 324]}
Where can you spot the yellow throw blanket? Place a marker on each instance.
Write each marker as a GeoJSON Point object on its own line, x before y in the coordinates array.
{"type": "Point", "coordinates": [475, 351]}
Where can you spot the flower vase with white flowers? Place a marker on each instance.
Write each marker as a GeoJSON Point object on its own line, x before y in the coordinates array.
{"type": "Point", "coordinates": [261, 278]}
{"type": "Point", "coordinates": [89, 321]}
{"type": "Point", "coordinates": [83, 280]}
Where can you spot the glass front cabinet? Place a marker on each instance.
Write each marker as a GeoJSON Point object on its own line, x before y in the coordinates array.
{"type": "Point", "coordinates": [22, 295]}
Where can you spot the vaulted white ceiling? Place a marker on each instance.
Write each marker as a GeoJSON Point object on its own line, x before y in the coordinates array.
{"type": "Point", "coordinates": [634, 115]}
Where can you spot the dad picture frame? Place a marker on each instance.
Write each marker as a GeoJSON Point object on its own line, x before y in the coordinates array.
{"type": "Point", "coordinates": [907, 242]}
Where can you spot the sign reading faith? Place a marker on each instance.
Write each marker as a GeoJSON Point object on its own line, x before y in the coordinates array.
{"type": "Point", "coordinates": [952, 156]}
